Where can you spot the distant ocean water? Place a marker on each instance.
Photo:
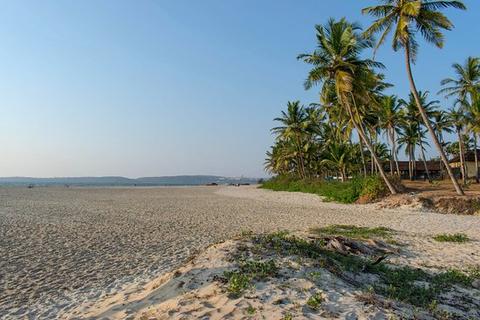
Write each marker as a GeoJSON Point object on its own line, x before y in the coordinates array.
{"type": "Point", "coordinates": [193, 180]}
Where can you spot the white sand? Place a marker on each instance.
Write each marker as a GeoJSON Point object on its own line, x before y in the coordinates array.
{"type": "Point", "coordinates": [69, 250]}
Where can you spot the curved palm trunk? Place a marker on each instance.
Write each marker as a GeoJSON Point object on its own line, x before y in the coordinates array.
{"type": "Point", "coordinates": [462, 156]}
{"type": "Point", "coordinates": [363, 136]}
{"type": "Point", "coordinates": [414, 91]}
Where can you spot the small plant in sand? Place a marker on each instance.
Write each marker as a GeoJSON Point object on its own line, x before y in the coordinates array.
{"type": "Point", "coordinates": [456, 237]}
{"type": "Point", "coordinates": [287, 316]}
{"type": "Point", "coordinates": [237, 283]}
{"type": "Point", "coordinates": [474, 272]}
{"type": "Point", "coordinates": [315, 301]}
{"type": "Point", "coordinates": [314, 275]}
{"type": "Point", "coordinates": [251, 310]}
{"type": "Point", "coordinates": [240, 280]}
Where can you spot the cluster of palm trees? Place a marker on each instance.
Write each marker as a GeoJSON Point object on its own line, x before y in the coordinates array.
{"type": "Point", "coordinates": [317, 140]}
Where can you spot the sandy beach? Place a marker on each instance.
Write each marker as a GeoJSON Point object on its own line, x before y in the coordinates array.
{"type": "Point", "coordinates": [64, 250]}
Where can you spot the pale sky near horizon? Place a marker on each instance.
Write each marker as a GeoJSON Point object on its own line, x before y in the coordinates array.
{"type": "Point", "coordinates": [157, 87]}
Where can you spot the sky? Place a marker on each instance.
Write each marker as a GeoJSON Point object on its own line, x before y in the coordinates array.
{"type": "Point", "coordinates": [157, 87]}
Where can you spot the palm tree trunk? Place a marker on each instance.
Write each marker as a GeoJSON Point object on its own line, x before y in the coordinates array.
{"type": "Point", "coordinates": [476, 157]}
{"type": "Point", "coordinates": [414, 163]}
{"type": "Point", "coordinates": [410, 163]}
{"type": "Point", "coordinates": [362, 155]}
{"type": "Point", "coordinates": [440, 139]}
{"type": "Point", "coordinates": [395, 156]}
{"type": "Point", "coordinates": [363, 136]}
{"type": "Point", "coordinates": [425, 163]}
{"type": "Point", "coordinates": [414, 91]}
{"type": "Point", "coordinates": [422, 153]}
{"type": "Point", "coordinates": [462, 156]}
{"type": "Point", "coordinates": [392, 149]}
{"type": "Point", "coordinates": [300, 159]}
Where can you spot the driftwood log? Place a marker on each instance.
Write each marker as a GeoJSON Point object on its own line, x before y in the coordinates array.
{"type": "Point", "coordinates": [347, 246]}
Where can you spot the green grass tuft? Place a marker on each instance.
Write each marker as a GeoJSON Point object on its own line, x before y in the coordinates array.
{"type": "Point", "coordinates": [457, 237]}
{"type": "Point", "coordinates": [354, 232]}
{"type": "Point", "coordinates": [315, 301]}
{"type": "Point", "coordinates": [251, 310]}
{"type": "Point", "coordinates": [240, 280]}
{"type": "Point", "coordinates": [237, 283]}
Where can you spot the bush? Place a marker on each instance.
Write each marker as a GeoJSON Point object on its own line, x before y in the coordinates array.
{"type": "Point", "coordinates": [370, 188]}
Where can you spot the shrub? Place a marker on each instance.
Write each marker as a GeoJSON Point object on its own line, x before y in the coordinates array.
{"type": "Point", "coordinates": [369, 188]}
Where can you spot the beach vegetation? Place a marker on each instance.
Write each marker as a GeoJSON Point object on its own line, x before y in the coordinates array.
{"type": "Point", "coordinates": [456, 237]}
{"type": "Point", "coordinates": [315, 301]}
{"type": "Point", "coordinates": [400, 283]}
{"type": "Point", "coordinates": [251, 310]}
{"type": "Point", "coordinates": [370, 187]}
{"type": "Point", "coordinates": [354, 232]}
{"type": "Point", "coordinates": [237, 283]}
{"type": "Point", "coordinates": [240, 280]}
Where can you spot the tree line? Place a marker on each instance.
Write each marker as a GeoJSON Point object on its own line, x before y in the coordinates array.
{"type": "Point", "coordinates": [317, 140]}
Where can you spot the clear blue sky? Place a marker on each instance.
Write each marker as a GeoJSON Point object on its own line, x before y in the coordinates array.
{"type": "Point", "coordinates": [157, 87]}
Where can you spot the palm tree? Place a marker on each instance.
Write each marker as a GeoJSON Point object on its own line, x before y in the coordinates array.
{"type": "Point", "coordinates": [474, 125]}
{"type": "Point", "coordinates": [467, 81]}
{"type": "Point", "coordinates": [336, 64]}
{"type": "Point", "coordinates": [409, 140]}
{"type": "Point", "coordinates": [338, 156]}
{"type": "Point", "coordinates": [458, 120]}
{"type": "Point", "coordinates": [390, 120]}
{"type": "Point", "coordinates": [294, 128]}
{"type": "Point", "coordinates": [406, 18]}
{"type": "Point", "coordinates": [466, 87]}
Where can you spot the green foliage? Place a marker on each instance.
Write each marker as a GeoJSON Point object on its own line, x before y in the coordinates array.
{"type": "Point", "coordinates": [240, 280]}
{"type": "Point", "coordinates": [237, 283]}
{"type": "Point", "coordinates": [350, 191]}
{"type": "Point", "coordinates": [457, 237]}
{"type": "Point", "coordinates": [251, 310]}
{"type": "Point", "coordinates": [355, 232]}
{"type": "Point", "coordinates": [287, 316]}
{"type": "Point", "coordinates": [315, 301]}
{"type": "Point", "coordinates": [259, 269]}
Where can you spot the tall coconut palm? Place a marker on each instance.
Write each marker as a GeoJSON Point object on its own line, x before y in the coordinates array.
{"type": "Point", "coordinates": [391, 119]}
{"type": "Point", "coordinates": [337, 64]}
{"type": "Point", "coordinates": [406, 18]}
